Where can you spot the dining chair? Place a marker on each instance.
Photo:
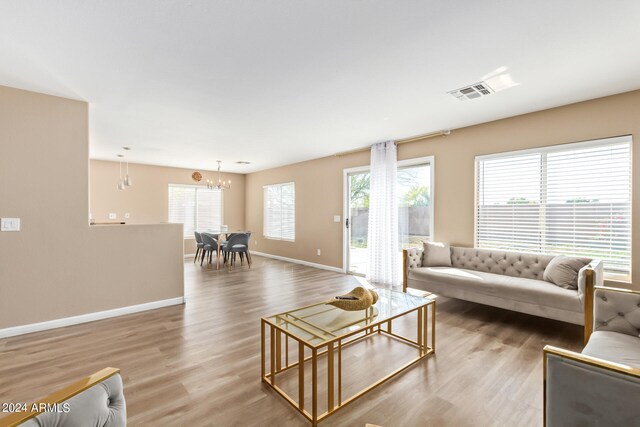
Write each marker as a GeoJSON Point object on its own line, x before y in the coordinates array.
{"type": "Point", "coordinates": [223, 246]}
{"type": "Point", "coordinates": [238, 243]}
{"type": "Point", "coordinates": [199, 245]}
{"type": "Point", "coordinates": [210, 246]}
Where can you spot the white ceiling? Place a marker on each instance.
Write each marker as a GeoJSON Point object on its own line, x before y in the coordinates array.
{"type": "Point", "coordinates": [275, 82]}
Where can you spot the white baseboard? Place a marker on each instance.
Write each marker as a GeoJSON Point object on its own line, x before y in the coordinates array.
{"type": "Point", "coordinates": [189, 256]}
{"type": "Point", "coordinates": [299, 261]}
{"type": "Point", "coordinates": [89, 317]}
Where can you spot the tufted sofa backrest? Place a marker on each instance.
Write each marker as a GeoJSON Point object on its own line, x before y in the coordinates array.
{"type": "Point", "coordinates": [617, 311]}
{"type": "Point", "coordinates": [514, 264]}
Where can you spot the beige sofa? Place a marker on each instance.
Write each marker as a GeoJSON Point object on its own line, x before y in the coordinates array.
{"type": "Point", "coordinates": [601, 385]}
{"type": "Point", "coordinates": [509, 280]}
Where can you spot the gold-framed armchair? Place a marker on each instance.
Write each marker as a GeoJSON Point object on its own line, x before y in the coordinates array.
{"type": "Point", "coordinates": [95, 400]}
{"type": "Point", "coordinates": [601, 385]}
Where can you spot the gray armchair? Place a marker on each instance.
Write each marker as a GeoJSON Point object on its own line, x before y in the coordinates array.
{"type": "Point", "coordinates": [601, 385]}
{"type": "Point", "coordinates": [97, 400]}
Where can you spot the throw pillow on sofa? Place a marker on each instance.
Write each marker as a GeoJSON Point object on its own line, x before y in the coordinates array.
{"type": "Point", "coordinates": [436, 254]}
{"type": "Point", "coordinates": [563, 271]}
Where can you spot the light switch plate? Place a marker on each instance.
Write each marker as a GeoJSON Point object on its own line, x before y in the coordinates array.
{"type": "Point", "coordinates": [10, 224]}
{"type": "Point", "coordinates": [336, 218]}
{"type": "Point", "coordinates": [127, 215]}
{"type": "Point", "coordinates": [113, 216]}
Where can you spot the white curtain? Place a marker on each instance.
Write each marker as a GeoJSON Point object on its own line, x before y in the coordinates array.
{"type": "Point", "coordinates": [383, 216]}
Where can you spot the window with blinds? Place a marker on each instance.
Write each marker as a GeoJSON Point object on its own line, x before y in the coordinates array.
{"type": "Point", "coordinates": [571, 199]}
{"type": "Point", "coordinates": [280, 211]}
{"type": "Point", "coordinates": [198, 208]}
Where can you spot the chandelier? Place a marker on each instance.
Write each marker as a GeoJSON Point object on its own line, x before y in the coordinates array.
{"type": "Point", "coordinates": [220, 185]}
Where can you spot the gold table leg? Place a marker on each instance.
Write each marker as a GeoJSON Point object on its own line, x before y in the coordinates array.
{"type": "Point", "coordinates": [300, 375]}
{"type": "Point", "coordinates": [425, 328]}
{"type": "Point", "coordinates": [314, 386]}
{"type": "Point", "coordinates": [420, 325]}
{"type": "Point", "coordinates": [278, 350]}
{"type": "Point", "coordinates": [273, 355]}
{"type": "Point", "coordinates": [330, 377]}
{"type": "Point", "coordinates": [286, 350]}
{"type": "Point", "coordinates": [339, 372]}
{"type": "Point", "coordinates": [433, 326]}
{"type": "Point", "coordinates": [262, 331]}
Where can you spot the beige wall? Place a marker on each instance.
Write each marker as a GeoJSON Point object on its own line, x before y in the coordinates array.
{"type": "Point", "coordinates": [147, 199]}
{"type": "Point", "coordinates": [319, 182]}
{"type": "Point", "coordinates": [318, 187]}
{"type": "Point", "coordinates": [58, 266]}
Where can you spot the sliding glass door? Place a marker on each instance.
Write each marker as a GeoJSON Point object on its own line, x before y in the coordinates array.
{"type": "Point", "coordinates": [357, 222]}
{"type": "Point", "coordinates": [415, 210]}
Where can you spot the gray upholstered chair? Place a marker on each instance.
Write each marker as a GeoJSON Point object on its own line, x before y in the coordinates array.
{"type": "Point", "coordinates": [238, 243]}
{"type": "Point", "coordinates": [96, 400]}
{"type": "Point", "coordinates": [199, 245]}
{"type": "Point", "coordinates": [210, 246]}
{"type": "Point", "coordinates": [601, 385]}
{"type": "Point", "coordinates": [223, 244]}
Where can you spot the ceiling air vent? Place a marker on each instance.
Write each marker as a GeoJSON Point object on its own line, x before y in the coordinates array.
{"type": "Point", "coordinates": [473, 91]}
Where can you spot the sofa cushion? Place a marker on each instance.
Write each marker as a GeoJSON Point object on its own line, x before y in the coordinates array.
{"type": "Point", "coordinates": [563, 271]}
{"type": "Point", "coordinates": [436, 254]}
{"type": "Point", "coordinates": [516, 288]}
{"type": "Point", "coordinates": [614, 347]}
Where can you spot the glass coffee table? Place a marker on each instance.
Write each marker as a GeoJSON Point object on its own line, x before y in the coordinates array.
{"type": "Point", "coordinates": [320, 329]}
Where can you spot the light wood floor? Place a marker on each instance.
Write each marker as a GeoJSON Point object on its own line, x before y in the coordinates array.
{"type": "Point", "coordinates": [199, 364]}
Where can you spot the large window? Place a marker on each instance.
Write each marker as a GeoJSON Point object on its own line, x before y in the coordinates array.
{"type": "Point", "coordinates": [280, 211]}
{"type": "Point", "coordinates": [198, 208]}
{"type": "Point", "coordinates": [572, 199]}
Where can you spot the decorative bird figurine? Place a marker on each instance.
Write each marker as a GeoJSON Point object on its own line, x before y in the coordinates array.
{"type": "Point", "coordinates": [358, 299]}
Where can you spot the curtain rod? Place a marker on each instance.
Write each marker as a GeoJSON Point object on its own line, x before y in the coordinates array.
{"type": "Point", "coordinates": [400, 141]}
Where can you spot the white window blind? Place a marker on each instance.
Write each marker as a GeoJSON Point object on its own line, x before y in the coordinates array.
{"type": "Point", "coordinates": [571, 199]}
{"type": "Point", "coordinates": [280, 211]}
{"type": "Point", "coordinates": [198, 208]}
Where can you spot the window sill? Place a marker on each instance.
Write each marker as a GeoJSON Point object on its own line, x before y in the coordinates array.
{"type": "Point", "coordinates": [279, 239]}
{"type": "Point", "coordinates": [613, 279]}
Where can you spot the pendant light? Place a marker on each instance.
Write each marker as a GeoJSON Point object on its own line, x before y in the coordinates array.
{"type": "Point", "coordinates": [127, 179]}
{"type": "Point", "coordinates": [120, 180]}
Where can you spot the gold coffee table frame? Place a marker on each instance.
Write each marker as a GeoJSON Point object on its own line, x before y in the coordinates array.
{"type": "Point", "coordinates": [280, 335]}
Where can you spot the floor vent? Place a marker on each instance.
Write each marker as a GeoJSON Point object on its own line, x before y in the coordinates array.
{"type": "Point", "coordinates": [473, 91]}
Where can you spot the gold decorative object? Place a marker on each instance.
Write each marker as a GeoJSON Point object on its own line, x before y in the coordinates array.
{"type": "Point", "coordinates": [358, 299]}
{"type": "Point", "coordinates": [197, 176]}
